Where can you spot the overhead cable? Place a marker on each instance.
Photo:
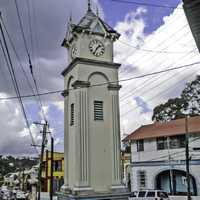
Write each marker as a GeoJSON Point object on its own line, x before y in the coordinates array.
{"type": "Point", "coordinates": [147, 4]}
{"type": "Point", "coordinates": [15, 84]}
{"type": "Point", "coordinates": [110, 82]}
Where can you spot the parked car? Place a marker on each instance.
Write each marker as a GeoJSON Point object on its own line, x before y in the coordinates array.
{"type": "Point", "coordinates": [149, 195]}
{"type": "Point", "coordinates": [4, 193]}
{"type": "Point", "coordinates": [20, 195]}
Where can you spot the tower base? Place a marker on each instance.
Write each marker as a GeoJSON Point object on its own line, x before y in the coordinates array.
{"type": "Point", "coordinates": [97, 196]}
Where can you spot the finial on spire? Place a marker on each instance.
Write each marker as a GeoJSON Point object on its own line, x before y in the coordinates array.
{"type": "Point", "coordinates": [70, 18]}
{"type": "Point", "coordinates": [97, 11]}
{"type": "Point", "coordinates": [89, 5]}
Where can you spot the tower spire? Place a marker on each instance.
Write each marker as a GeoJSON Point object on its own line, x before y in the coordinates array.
{"type": "Point", "coordinates": [89, 5]}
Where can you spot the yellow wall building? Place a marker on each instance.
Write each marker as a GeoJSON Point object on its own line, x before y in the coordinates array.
{"type": "Point", "coordinates": [58, 171]}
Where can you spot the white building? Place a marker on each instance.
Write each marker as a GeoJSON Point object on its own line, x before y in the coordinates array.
{"type": "Point", "coordinates": [158, 156]}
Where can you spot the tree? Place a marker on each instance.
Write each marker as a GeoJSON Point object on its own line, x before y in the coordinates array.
{"type": "Point", "coordinates": [188, 103]}
{"type": "Point", "coordinates": [191, 94]}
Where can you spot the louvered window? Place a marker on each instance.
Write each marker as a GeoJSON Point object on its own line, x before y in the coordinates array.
{"type": "Point", "coordinates": [72, 115]}
{"type": "Point", "coordinates": [98, 110]}
{"type": "Point", "coordinates": [141, 175]}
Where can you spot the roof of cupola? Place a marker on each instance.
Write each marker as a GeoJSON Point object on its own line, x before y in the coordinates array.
{"type": "Point", "coordinates": [89, 19]}
{"type": "Point", "coordinates": [90, 23]}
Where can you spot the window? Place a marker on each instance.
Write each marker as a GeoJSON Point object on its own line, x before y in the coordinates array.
{"type": "Point", "coordinates": [161, 143]}
{"type": "Point", "coordinates": [162, 195]}
{"type": "Point", "coordinates": [72, 115]}
{"type": "Point", "coordinates": [140, 145]}
{"type": "Point", "coordinates": [58, 165]}
{"type": "Point", "coordinates": [98, 110]}
{"type": "Point", "coordinates": [151, 194]}
{"type": "Point", "coordinates": [142, 194]}
{"type": "Point", "coordinates": [133, 194]}
{"type": "Point", "coordinates": [142, 179]}
{"type": "Point", "coordinates": [44, 165]}
{"type": "Point", "coordinates": [177, 141]}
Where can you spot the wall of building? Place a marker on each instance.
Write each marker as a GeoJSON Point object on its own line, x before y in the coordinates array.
{"type": "Point", "coordinates": [151, 153]}
{"type": "Point", "coordinates": [92, 148]}
{"type": "Point", "coordinates": [154, 161]}
{"type": "Point", "coordinates": [152, 169]}
{"type": "Point", "coordinates": [58, 175]}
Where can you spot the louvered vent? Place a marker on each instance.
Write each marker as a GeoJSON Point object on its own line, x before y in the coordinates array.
{"type": "Point", "coordinates": [98, 110]}
{"type": "Point", "coordinates": [72, 115]}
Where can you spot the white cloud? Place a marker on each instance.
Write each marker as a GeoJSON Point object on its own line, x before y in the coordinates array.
{"type": "Point", "coordinates": [173, 36]}
{"type": "Point", "coordinates": [52, 59]}
{"type": "Point", "coordinates": [15, 138]}
{"type": "Point", "coordinates": [49, 59]}
{"type": "Point", "coordinates": [59, 104]}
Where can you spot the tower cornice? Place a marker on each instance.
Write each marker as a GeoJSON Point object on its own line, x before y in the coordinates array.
{"type": "Point", "coordinates": [89, 62]}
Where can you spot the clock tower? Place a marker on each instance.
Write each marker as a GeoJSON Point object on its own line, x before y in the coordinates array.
{"type": "Point", "coordinates": [91, 109]}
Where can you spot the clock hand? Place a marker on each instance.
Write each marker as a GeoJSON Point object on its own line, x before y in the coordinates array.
{"type": "Point", "coordinates": [97, 48]}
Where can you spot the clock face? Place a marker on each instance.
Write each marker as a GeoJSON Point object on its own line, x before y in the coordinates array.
{"type": "Point", "coordinates": [97, 47]}
{"type": "Point", "coordinates": [74, 51]}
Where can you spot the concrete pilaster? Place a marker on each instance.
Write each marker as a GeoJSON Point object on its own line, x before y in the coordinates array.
{"type": "Point", "coordinates": [116, 169]}
{"type": "Point", "coordinates": [83, 170]}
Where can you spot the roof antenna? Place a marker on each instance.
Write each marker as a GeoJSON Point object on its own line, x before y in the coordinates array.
{"type": "Point", "coordinates": [89, 6]}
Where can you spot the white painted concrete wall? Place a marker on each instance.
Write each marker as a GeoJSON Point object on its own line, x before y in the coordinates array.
{"type": "Point", "coordinates": [183, 198]}
{"type": "Point", "coordinates": [92, 148]}
{"type": "Point", "coordinates": [151, 154]}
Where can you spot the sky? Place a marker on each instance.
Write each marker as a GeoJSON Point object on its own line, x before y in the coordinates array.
{"type": "Point", "coordinates": [152, 39]}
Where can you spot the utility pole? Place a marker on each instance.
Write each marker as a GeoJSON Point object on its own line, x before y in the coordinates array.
{"type": "Point", "coordinates": [171, 182]}
{"type": "Point", "coordinates": [23, 188]}
{"type": "Point", "coordinates": [44, 133]}
{"type": "Point", "coordinates": [52, 167]}
{"type": "Point", "coordinates": [187, 157]}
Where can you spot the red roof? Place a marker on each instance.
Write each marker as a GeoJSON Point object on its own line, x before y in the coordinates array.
{"type": "Point", "coordinates": [160, 129]}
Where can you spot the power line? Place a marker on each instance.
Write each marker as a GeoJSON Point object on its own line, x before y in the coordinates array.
{"type": "Point", "coordinates": [22, 30]}
{"type": "Point", "coordinates": [33, 95]}
{"type": "Point", "coordinates": [27, 51]}
{"type": "Point", "coordinates": [39, 98]}
{"type": "Point", "coordinates": [152, 51]}
{"type": "Point", "coordinates": [151, 59]}
{"type": "Point", "coordinates": [146, 4]}
{"type": "Point", "coordinates": [110, 82]}
{"type": "Point", "coordinates": [24, 72]}
{"type": "Point", "coordinates": [15, 84]}
{"type": "Point", "coordinates": [130, 93]}
{"type": "Point", "coordinates": [151, 89]}
{"type": "Point", "coordinates": [16, 54]}
{"type": "Point", "coordinates": [158, 45]}
{"type": "Point", "coordinates": [158, 94]}
{"type": "Point", "coordinates": [159, 31]}
{"type": "Point", "coordinates": [30, 23]}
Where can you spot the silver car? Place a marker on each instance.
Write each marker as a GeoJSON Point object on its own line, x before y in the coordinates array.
{"type": "Point", "coordinates": [149, 195]}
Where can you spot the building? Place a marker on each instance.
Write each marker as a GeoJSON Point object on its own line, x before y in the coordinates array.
{"type": "Point", "coordinates": [23, 179]}
{"type": "Point", "coordinates": [192, 12]}
{"type": "Point", "coordinates": [91, 108]}
{"type": "Point", "coordinates": [58, 171]}
{"type": "Point", "coordinates": [125, 163]}
{"type": "Point", "coordinates": [158, 156]}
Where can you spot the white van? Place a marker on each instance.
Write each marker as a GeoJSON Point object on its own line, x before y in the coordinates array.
{"type": "Point", "coordinates": [149, 195]}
